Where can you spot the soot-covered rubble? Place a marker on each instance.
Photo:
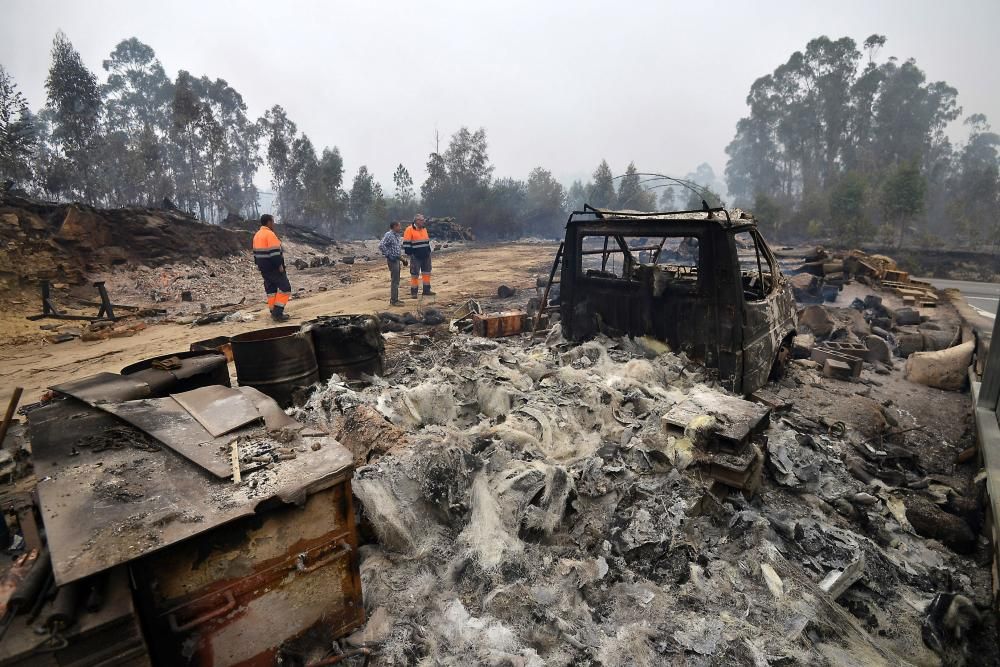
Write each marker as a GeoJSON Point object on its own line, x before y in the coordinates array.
{"type": "Point", "coordinates": [527, 508]}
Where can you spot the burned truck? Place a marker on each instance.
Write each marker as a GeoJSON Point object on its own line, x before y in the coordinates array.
{"type": "Point", "coordinates": [705, 282]}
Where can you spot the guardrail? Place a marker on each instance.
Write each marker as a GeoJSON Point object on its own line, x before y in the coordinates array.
{"type": "Point", "coordinates": [986, 401]}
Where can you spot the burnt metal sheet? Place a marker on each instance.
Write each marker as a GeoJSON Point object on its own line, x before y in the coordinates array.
{"type": "Point", "coordinates": [167, 421]}
{"type": "Point", "coordinates": [274, 417]}
{"type": "Point", "coordinates": [105, 387]}
{"type": "Point", "coordinates": [218, 409]}
{"type": "Point", "coordinates": [737, 418]}
{"type": "Point", "coordinates": [195, 369]}
{"type": "Point", "coordinates": [102, 507]}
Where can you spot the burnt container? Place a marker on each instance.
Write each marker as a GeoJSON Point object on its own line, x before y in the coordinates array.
{"type": "Point", "coordinates": [350, 346]}
{"type": "Point", "coordinates": [258, 590]}
{"type": "Point", "coordinates": [198, 368]}
{"type": "Point", "coordinates": [217, 344]}
{"type": "Point", "coordinates": [279, 362]}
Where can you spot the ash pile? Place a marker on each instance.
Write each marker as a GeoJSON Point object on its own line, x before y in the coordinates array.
{"type": "Point", "coordinates": [446, 229]}
{"type": "Point", "coordinates": [537, 503]}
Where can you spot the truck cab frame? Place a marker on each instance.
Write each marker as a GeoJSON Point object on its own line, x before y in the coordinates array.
{"type": "Point", "coordinates": [705, 282]}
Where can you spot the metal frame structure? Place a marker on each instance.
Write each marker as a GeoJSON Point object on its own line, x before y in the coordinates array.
{"type": "Point", "coordinates": [716, 322]}
{"type": "Point", "coordinates": [49, 310]}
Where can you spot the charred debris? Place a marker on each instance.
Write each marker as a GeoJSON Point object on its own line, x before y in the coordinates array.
{"type": "Point", "coordinates": [579, 476]}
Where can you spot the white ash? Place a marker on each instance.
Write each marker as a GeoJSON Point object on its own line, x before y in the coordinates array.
{"type": "Point", "coordinates": [537, 514]}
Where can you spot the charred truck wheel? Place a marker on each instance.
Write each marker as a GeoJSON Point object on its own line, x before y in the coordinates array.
{"type": "Point", "coordinates": [781, 358]}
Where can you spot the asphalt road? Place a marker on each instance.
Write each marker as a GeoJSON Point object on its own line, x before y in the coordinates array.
{"type": "Point", "coordinates": [984, 296]}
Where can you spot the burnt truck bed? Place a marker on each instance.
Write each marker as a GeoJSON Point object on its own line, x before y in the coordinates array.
{"type": "Point", "coordinates": [704, 282]}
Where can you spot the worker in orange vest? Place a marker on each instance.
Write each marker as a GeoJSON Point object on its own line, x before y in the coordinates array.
{"type": "Point", "coordinates": [271, 262]}
{"type": "Point", "coordinates": [417, 244]}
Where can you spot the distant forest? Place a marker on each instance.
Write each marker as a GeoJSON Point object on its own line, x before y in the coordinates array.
{"type": "Point", "coordinates": [836, 145]}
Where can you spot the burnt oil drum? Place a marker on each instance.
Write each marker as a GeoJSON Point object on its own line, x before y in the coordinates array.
{"type": "Point", "coordinates": [279, 362]}
{"type": "Point", "coordinates": [181, 371]}
{"type": "Point", "coordinates": [350, 346]}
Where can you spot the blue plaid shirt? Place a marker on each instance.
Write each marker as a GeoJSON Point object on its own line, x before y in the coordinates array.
{"type": "Point", "coordinates": [390, 246]}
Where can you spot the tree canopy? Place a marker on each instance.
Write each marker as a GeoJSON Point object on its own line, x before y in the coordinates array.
{"type": "Point", "coordinates": [837, 141]}
{"type": "Point", "coordinates": [833, 127]}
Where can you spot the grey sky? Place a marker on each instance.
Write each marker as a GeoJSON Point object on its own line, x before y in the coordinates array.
{"type": "Point", "coordinates": [556, 84]}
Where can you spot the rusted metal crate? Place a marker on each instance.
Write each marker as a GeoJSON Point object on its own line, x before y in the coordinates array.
{"type": "Point", "coordinates": [497, 325]}
{"type": "Point", "coordinates": [248, 592]}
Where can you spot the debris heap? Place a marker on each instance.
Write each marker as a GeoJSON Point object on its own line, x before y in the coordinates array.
{"type": "Point", "coordinates": [446, 229]}
{"type": "Point", "coordinates": [530, 508]}
{"type": "Point", "coordinates": [65, 242]}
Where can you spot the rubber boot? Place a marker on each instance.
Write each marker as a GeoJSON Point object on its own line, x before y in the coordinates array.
{"type": "Point", "coordinates": [278, 314]}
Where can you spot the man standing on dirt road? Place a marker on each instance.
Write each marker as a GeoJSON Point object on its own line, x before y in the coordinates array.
{"type": "Point", "coordinates": [271, 262]}
{"type": "Point", "coordinates": [417, 244]}
{"type": "Point", "coordinates": [392, 250]}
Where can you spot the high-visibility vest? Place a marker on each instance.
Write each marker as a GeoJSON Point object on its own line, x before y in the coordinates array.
{"type": "Point", "coordinates": [267, 250]}
{"type": "Point", "coordinates": [416, 241]}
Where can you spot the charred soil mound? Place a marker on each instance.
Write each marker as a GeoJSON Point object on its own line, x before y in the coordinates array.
{"type": "Point", "coordinates": [65, 242]}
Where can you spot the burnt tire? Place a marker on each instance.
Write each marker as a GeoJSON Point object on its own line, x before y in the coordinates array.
{"type": "Point", "coordinates": [781, 360]}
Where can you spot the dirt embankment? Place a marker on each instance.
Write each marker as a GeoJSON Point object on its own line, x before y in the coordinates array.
{"type": "Point", "coordinates": [68, 242]}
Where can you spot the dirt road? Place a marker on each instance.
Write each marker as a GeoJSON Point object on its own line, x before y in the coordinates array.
{"type": "Point", "coordinates": [471, 273]}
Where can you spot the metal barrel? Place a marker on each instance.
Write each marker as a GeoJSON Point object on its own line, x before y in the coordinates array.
{"type": "Point", "coordinates": [350, 346]}
{"type": "Point", "coordinates": [279, 362]}
{"type": "Point", "coordinates": [197, 368]}
{"type": "Point", "coordinates": [217, 344]}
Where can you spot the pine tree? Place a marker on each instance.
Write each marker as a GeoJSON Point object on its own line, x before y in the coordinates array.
{"type": "Point", "coordinates": [74, 105]}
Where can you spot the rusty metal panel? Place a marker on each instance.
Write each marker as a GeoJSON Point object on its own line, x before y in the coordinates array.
{"type": "Point", "coordinates": [233, 596]}
{"type": "Point", "coordinates": [103, 506]}
{"type": "Point", "coordinates": [767, 321]}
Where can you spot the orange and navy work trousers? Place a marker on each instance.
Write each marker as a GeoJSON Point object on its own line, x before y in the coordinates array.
{"type": "Point", "coordinates": [278, 290]}
{"type": "Point", "coordinates": [420, 268]}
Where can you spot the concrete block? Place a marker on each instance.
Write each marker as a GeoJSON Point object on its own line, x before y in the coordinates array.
{"type": "Point", "coordinates": [821, 354]}
{"type": "Point", "coordinates": [837, 369]}
{"type": "Point", "coordinates": [850, 349]}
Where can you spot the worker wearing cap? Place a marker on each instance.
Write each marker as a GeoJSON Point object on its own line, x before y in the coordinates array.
{"type": "Point", "coordinates": [270, 260]}
{"type": "Point", "coordinates": [392, 251]}
{"type": "Point", "coordinates": [417, 244]}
